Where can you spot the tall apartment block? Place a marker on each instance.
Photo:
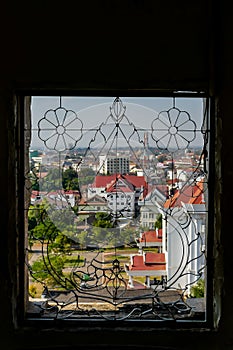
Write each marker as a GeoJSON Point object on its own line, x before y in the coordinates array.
{"type": "Point", "coordinates": [112, 165]}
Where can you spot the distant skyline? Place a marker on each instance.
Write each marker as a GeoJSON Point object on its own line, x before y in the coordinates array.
{"type": "Point", "coordinates": [92, 111]}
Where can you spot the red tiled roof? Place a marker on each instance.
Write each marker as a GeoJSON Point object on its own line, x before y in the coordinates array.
{"type": "Point", "coordinates": [96, 200]}
{"type": "Point", "coordinates": [163, 189]}
{"type": "Point", "coordinates": [153, 261]}
{"type": "Point", "coordinates": [198, 194]}
{"type": "Point", "coordinates": [188, 195]}
{"type": "Point", "coordinates": [104, 180]}
{"type": "Point", "coordinates": [34, 194]}
{"type": "Point", "coordinates": [116, 185]}
{"type": "Point", "coordinates": [137, 181]}
{"type": "Point", "coordinates": [71, 192]}
{"type": "Point", "coordinates": [121, 189]}
{"type": "Point", "coordinates": [151, 236]}
{"type": "Point", "coordinates": [154, 258]}
{"type": "Point", "coordinates": [132, 180]}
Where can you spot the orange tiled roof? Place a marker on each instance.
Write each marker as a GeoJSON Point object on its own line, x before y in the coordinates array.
{"type": "Point", "coordinates": [188, 195]}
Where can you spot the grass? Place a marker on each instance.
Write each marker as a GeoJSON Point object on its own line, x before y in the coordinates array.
{"type": "Point", "coordinates": [139, 279]}
{"type": "Point", "coordinates": [112, 257]}
{"type": "Point", "coordinates": [71, 261]}
{"type": "Point", "coordinates": [149, 249]}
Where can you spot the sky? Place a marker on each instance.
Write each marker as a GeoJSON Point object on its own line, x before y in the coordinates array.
{"type": "Point", "coordinates": [140, 114]}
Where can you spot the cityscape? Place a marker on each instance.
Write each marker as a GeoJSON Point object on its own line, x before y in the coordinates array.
{"type": "Point", "coordinates": [116, 224]}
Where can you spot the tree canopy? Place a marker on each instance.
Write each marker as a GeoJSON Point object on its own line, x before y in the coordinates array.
{"type": "Point", "coordinates": [158, 222]}
{"type": "Point", "coordinates": [70, 180]}
{"type": "Point", "coordinates": [57, 227]}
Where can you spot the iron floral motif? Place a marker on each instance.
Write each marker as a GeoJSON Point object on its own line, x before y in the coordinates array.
{"type": "Point", "coordinates": [60, 129]}
{"type": "Point", "coordinates": [173, 129]}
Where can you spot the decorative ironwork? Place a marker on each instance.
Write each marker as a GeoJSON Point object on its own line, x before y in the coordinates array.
{"type": "Point", "coordinates": [60, 129]}
{"type": "Point", "coordinates": [86, 260]}
{"type": "Point", "coordinates": [173, 129]}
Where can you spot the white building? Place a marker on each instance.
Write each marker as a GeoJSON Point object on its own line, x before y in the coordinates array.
{"type": "Point", "coordinates": [122, 192]}
{"type": "Point", "coordinates": [184, 224]}
{"type": "Point", "coordinates": [149, 265]}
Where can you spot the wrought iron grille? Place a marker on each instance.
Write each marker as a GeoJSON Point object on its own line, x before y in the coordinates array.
{"type": "Point", "coordinates": [116, 207]}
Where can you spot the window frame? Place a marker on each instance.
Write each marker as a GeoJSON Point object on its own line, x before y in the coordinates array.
{"type": "Point", "coordinates": [163, 325]}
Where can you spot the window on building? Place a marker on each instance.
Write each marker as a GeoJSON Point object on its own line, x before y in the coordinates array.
{"type": "Point", "coordinates": [104, 266]}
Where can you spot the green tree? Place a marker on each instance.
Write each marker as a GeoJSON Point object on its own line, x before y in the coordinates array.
{"type": "Point", "coordinates": [54, 174]}
{"type": "Point", "coordinates": [61, 244]}
{"type": "Point", "coordinates": [63, 218]}
{"type": "Point", "coordinates": [158, 222]}
{"type": "Point", "coordinates": [36, 213]}
{"type": "Point", "coordinates": [103, 220]}
{"type": "Point", "coordinates": [52, 181]}
{"type": "Point", "coordinates": [198, 289]}
{"type": "Point", "coordinates": [70, 180]}
{"type": "Point", "coordinates": [41, 225]}
{"type": "Point", "coordinates": [46, 222]}
{"type": "Point", "coordinates": [86, 176]}
{"type": "Point", "coordinates": [48, 270]}
{"type": "Point", "coordinates": [83, 239]}
{"type": "Point", "coordinates": [34, 177]}
{"type": "Point", "coordinates": [32, 222]}
{"type": "Point", "coordinates": [128, 235]}
{"type": "Point", "coordinates": [99, 235]}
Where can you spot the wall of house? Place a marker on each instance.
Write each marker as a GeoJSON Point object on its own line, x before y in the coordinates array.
{"type": "Point", "coordinates": [116, 46]}
{"type": "Point", "coordinates": [178, 252]}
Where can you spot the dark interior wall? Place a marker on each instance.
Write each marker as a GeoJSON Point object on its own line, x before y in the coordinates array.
{"type": "Point", "coordinates": [117, 45]}
{"type": "Point", "coordinates": [109, 44]}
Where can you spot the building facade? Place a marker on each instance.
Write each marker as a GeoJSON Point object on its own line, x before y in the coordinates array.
{"type": "Point", "coordinates": [112, 165]}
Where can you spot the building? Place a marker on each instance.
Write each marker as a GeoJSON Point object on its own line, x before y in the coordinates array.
{"type": "Point", "coordinates": [150, 206]}
{"type": "Point", "coordinates": [150, 239]}
{"type": "Point", "coordinates": [93, 204]}
{"type": "Point", "coordinates": [184, 227]}
{"type": "Point", "coordinates": [112, 165]}
{"type": "Point", "coordinates": [122, 192]}
{"type": "Point", "coordinates": [87, 208]}
{"type": "Point", "coordinates": [183, 241]}
{"type": "Point", "coordinates": [59, 199]}
{"type": "Point", "coordinates": [121, 196]}
{"type": "Point", "coordinates": [149, 265]}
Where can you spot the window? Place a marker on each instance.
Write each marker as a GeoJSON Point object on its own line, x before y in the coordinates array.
{"type": "Point", "coordinates": [103, 266]}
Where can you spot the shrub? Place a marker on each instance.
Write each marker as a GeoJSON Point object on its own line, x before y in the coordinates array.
{"type": "Point", "coordinates": [198, 289]}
